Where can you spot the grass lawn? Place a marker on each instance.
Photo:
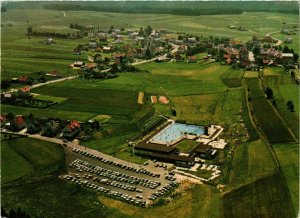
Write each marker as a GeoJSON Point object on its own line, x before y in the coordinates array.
{"type": "Point", "coordinates": [186, 145]}
{"type": "Point", "coordinates": [288, 156]}
{"type": "Point", "coordinates": [291, 92]}
{"type": "Point", "coordinates": [93, 100]}
{"type": "Point", "coordinates": [251, 160]}
{"type": "Point", "coordinates": [266, 197]}
{"type": "Point", "coordinates": [251, 74]}
{"type": "Point", "coordinates": [52, 197]}
{"type": "Point", "coordinates": [49, 98]}
{"type": "Point", "coordinates": [29, 157]}
{"type": "Point", "coordinates": [198, 201]}
{"type": "Point", "coordinates": [48, 113]}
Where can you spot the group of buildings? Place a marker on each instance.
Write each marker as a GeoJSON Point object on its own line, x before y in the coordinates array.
{"type": "Point", "coordinates": [44, 126]}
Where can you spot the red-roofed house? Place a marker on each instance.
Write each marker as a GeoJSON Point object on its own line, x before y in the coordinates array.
{"type": "Point", "coordinates": [192, 59]}
{"type": "Point", "coordinates": [23, 79]}
{"type": "Point", "coordinates": [2, 120]}
{"type": "Point", "coordinates": [17, 123]}
{"type": "Point", "coordinates": [90, 66]}
{"type": "Point", "coordinates": [72, 129]}
{"type": "Point", "coordinates": [24, 92]}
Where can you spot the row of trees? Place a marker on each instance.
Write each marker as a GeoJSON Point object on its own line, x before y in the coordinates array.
{"type": "Point", "coordinates": [30, 31]}
{"type": "Point", "coordinates": [270, 95]}
{"type": "Point", "coordinates": [15, 214]}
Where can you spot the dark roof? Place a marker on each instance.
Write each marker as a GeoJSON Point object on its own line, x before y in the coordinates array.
{"type": "Point", "coordinates": [154, 147]}
{"type": "Point", "coordinates": [202, 148]}
{"type": "Point", "coordinates": [173, 157]}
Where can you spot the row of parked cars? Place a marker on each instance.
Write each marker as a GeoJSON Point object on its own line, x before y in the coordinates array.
{"type": "Point", "coordinates": [163, 191]}
{"type": "Point", "coordinates": [120, 196]}
{"type": "Point", "coordinates": [129, 168]}
{"type": "Point", "coordinates": [114, 175]}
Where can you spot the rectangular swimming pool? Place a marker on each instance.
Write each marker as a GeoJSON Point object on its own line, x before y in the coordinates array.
{"type": "Point", "coordinates": [176, 131]}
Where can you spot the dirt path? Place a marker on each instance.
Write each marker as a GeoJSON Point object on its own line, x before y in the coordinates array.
{"type": "Point", "coordinates": [279, 42]}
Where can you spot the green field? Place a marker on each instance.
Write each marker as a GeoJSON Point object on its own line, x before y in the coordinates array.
{"type": "Point", "coordinates": [288, 156]}
{"type": "Point", "coordinates": [47, 113]}
{"type": "Point", "coordinates": [285, 89]}
{"type": "Point", "coordinates": [266, 197]}
{"type": "Point", "coordinates": [251, 161]}
{"type": "Point", "coordinates": [200, 93]}
{"type": "Point", "coordinates": [195, 202]}
{"type": "Point", "coordinates": [29, 157]}
{"type": "Point", "coordinates": [22, 55]}
{"type": "Point", "coordinates": [50, 197]}
{"type": "Point", "coordinates": [265, 114]}
{"type": "Point", "coordinates": [99, 101]}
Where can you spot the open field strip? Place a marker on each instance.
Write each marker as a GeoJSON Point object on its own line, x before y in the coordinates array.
{"type": "Point", "coordinates": [285, 89]}
{"type": "Point", "coordinates": [288, 156]}
{"type": "Point", "coordinates": [264, 113]}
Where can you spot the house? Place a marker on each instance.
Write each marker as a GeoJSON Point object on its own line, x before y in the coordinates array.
{"type": "Point", "coordinates": [76, 51]}
{"type": "Point", "coordinates": [107, 49]}
{"type": "Point", "coordinates": [33, 127]}
{"type": "Point", "coordinates": [286, 58]}
{"type": "Point", "coordinates": [17, 123]}
{"type": "Point", "coordinates": [181, 49]}
{"type": "Point", "coordinates": [288, 40]}
{"type": "Point", "coordinates": [119, 57]}
{"type": "Point", "coordinates": [22, 79]}
{"type": "Point", "coordinates": [90, 66]}
{"type": "Point", "coordinates": [79, 64]}
{"type": "Point", "coordinates": [228, 61]}
{"type": "Point", "coordinates": [192, 59]}
{"type": "Point", "coordinates": [2, 120]}
{"type": "Point", "coordinates": [53, 73]}
{"type": "Point", "coordinates": [49, 41]}
{"type": "Point", "coordinates": [204, 151]}
{"type": "Point", "coordinates": [192, 39]}
{"type": "Point", "coordinates": [102, 37]}
{"type": "Point", "coordinates": [72, 129]}
{"type": "Point", "coordinates": [50, 129]}
{"type": "Point", "coordinates": [93, 44]}
{"type": "Point", "coordinates": [268, 39]}
{"type": "Point", "coordinates": [24, 92]}
{"type": "Point", "coordinates": [91, 35]}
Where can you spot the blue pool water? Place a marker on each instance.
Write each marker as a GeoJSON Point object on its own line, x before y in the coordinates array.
{"type": "Point", "coordinates": [176, 130]}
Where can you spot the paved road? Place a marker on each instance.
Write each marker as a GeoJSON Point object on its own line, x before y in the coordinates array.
{"type": "Point", "coordinates": [52, 81]}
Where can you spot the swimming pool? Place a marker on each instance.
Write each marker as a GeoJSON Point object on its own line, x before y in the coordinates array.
{"type": "Point", "coordinates": [175, 131]}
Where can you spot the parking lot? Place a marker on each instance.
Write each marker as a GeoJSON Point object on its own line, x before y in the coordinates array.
{"type": "Point", "coordinates": [132, 183]}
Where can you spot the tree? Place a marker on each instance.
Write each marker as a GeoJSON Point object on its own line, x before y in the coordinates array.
{"type": "Point", "coordinates": [141, 31]}
{"type": "Point", "coordinates": [255, 50]}
{"type": "Point", "coordinates": [269, 92]}
{"type": "Point", "coordinates": [293, 74]}
{"type": "Point", "coordinates": [274, 104]}
{"type": "Point", "coordinates": [148, 30]}
{"type": "Point", "coordinates": [148, 53]}
{"type": "Point", "coordinates": [179, 37]}
{"type": "Point", "coordinates": [296, 57]}
{"type": "Point", "coordinates": [29, 30]}
{"type": "Point", "coordinates": [174, 112]}
{"type": "Point", "coordinates": [290, 105]}
{"type": "Point", "coordinates": [5, 84]}
{"type": "Point", "coordinates": [110, 29]}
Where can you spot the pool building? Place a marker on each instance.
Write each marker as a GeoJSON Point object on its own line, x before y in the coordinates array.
{"type": "Point", "coordinates": [162, 144]}
{"type": "Point", "coordinates": [175, 132]}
